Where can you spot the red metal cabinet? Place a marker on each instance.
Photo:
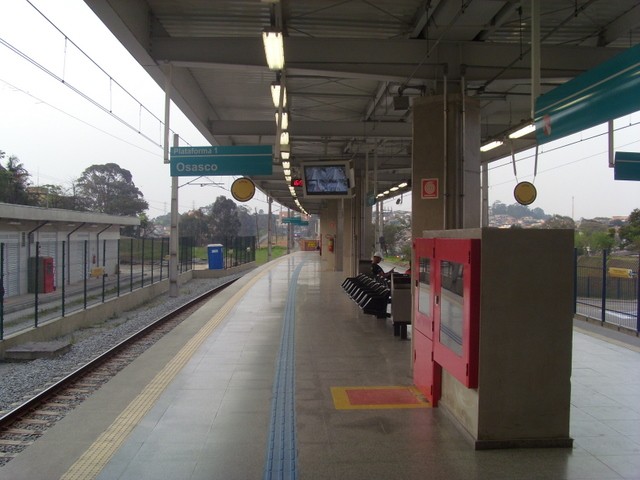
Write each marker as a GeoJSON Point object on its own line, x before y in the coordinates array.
{"type": "Point", "coordinates": [446, 312]}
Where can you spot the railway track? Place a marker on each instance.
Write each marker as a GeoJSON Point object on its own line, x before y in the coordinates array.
{"type": "Point", "coordinates": [22, 426]}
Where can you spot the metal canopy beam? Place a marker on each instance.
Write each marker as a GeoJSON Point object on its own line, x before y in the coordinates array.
{"type": "Point", "coordinates": [395, 59]}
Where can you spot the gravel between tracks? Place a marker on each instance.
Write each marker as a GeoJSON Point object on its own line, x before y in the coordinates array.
{"type": "Point", "coordinates": [21, 380]}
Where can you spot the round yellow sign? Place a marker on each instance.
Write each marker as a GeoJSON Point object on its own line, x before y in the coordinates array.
{"type": "Point", "coordinates": [525, 193]}
{"type": "Point", "coordinates": [243, 189]}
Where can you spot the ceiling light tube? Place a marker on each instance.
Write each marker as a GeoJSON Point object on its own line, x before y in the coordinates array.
{"type": "Point", "coordinates": [386, 192]}
{"type": "Point", "coordinates": [285, 121]}
{"type": "Point", "coordinates": [393, 189]}
{"type": "Point", "coordinates": [286, 164]}
{"type": "Point", "coordinates": [403, 184]}
{"type": "Point", "coordinates": [285, 155]}
{"type": "Point", "coordinates": [275, 95]}
{"type": "Point", "coordinates": [521, 132]}
{"type": "Point", "coordinates": [287, 171]}
{"type": "Point", "coordinates": [287, 178]}
{"type": "Point", "coordinates": [273, 49]}
{"type": "Point", "coordinates": [490, 146]}
{"type": "Point", "coordinates": [284, 138]}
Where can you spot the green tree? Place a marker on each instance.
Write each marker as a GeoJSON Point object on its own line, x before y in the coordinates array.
{"type": "Point", "coordinates": [498, 208]}
{"type": "Point", "coordinates": [14, 180]}
{"type": "Point", "coordinates": [559, 221]}
{"type": "Point", "coordinates": [599, 241]}
{"type": "Point", "coordinates": [110, 189]}
{"type": "Point", "coordinates": [223, 217]}
{"type": "Point", "coordinates": [195, 224]}
{"type": "Point", "coordinates": [51, 196]}
{"type": "Point", "coordinates": [630, 233]}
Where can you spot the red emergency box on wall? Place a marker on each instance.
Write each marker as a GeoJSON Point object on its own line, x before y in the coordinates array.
{"type": "Point", "coordinates": [447, 313]}
{"type": "Point", "coordinates": [45, 281]}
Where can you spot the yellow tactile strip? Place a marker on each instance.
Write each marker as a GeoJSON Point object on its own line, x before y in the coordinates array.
{"type": "Point", "coordinates": [91, 463]}
{"type": "Point", "coordinates": [372, 398]}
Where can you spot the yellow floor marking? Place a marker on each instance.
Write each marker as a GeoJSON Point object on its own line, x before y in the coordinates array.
{"type": "Point", "coordinates": [91, 463]}
{"type": "Point", "coordinates": [341, 399]}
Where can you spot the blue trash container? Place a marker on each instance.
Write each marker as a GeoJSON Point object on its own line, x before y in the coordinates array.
{"type": "Point", "coordinates": [214, 253]}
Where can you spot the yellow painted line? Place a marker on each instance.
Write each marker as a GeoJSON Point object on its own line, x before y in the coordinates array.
{"type": "Point", "coordinates": [341, 399]}
{"type": "Point", "coordinates": [91, 463]}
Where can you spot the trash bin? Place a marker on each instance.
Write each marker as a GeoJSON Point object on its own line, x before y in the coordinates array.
{"type": "Point", "coordinates": [214, 253]}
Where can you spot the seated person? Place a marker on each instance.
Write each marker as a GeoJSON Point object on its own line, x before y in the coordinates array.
{"type": "Point", "coordinates": [376, 269]}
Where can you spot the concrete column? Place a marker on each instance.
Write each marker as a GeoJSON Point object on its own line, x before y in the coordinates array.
{"type": "Point", "coordinates": [446, 149]}
{"type": "Point", "coordinates": [349, 238]}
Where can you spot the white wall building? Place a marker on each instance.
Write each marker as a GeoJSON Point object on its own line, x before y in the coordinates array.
{"type": "Point", "coordinates": [80, 234]}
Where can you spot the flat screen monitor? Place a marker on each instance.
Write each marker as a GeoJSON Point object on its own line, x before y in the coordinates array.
{"type": "Point", "coordinates": [328, 179]}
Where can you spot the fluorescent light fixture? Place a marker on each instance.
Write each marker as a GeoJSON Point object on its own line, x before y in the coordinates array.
{"type": "Point", "coordinates": [284, 138]}
{"type": "Point", "coordinates": [285, 154]}
{"type": "Point", "coordinates": [490, 146]}
{"type": "Point", "coordinates": [273, 49]}
{"type": "Point", "coordinates": [394, 189]}
{"type": "Point", "coordinates": [287, 178]}
{"type": "Point", "coordinates": [380, 195]}
{"type": "Point", "coordinates": [286, 164]}
{"type": "Point", "coordinates": [403, 184]}
{"type": "Point", "coordinates": [386, 192]}
{"type": "Point", "coordinates": [526, 130]}
{"type": "Point", "coordinates": [285, 121]}
{"type": "Point", "coordinates": [287, 171]}
{"type": "Point", "coordinates": [292, 190]}
{"type": "Point", "coordinates": [275, 95]}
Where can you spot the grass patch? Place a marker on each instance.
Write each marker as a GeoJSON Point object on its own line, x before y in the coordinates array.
{"type": "Point", "coordinates": [276, 251]}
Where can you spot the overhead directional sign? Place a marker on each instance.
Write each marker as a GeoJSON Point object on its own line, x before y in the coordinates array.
{"type": "Point", "coordinates": [603, 93]}
{"type": "Point", "coordinates": [225, 160]}
{"type": "Point", "coordinates": [627, 166]}
{"type": "Point", "coordinates": [295, 221]}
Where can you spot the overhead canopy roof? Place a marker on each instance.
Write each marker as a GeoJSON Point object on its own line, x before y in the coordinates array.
{"type": "Point", "coordinates": [346, 62]}
{"type": "Point", "coordinates": [11, 212]}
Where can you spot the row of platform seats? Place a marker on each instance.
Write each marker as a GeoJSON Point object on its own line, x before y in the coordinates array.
{"type": "Point", "coordinates": [370, 293]}
{"type": "Point", "coordinates": [374, 294]}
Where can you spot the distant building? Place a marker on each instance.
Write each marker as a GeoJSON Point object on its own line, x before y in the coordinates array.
{"type": "Point", "coordinates": [25, 229]}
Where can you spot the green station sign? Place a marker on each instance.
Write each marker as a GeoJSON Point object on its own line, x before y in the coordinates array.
{"type": "Point", "coordinates": [221, 160]}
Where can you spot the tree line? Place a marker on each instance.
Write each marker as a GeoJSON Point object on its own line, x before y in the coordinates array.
{"type": "Point", "coordinates": [104, 188]}
{"type": "Point", "coordinates": [591, 235]}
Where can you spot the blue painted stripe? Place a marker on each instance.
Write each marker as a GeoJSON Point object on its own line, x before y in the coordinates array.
{"type": "Point", "coordinates": [281, 458]}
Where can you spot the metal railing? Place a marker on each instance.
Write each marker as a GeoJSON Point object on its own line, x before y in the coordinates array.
{"type": "Point", "coordinates": [607, 289]}
{"type": "Point", "coordinates": [64, 277]}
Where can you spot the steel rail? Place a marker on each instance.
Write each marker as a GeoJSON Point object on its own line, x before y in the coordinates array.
{"type": "Point", "coordinates": [28, 406]}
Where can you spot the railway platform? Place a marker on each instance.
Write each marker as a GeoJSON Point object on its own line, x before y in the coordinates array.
{"type": "Point", "coordinates": [282, 376]}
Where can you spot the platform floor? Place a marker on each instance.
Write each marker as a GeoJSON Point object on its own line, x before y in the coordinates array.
{"type": "Point", "coordinates": [198, 405]}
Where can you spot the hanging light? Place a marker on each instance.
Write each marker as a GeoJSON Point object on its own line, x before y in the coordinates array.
{"type": "Point", "coordinates": [490, 146]}
{"type": "Point", "coordinates": [275, 95]}
{"type": "Point", "coordinates": [273, 49]}
{"type": "Point", "coordinates": [284, 125]}
{"type": "Point", "coordinates": [521, 132]}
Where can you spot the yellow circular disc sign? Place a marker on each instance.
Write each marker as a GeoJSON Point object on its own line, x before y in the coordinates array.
{"type": "Point", "coordinates": [525, 193]}
{"type": "Point", "coordinates": [243, 189]}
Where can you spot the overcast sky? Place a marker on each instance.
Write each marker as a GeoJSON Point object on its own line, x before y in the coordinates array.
{"type": "Point", "coordinates": [56, 133]}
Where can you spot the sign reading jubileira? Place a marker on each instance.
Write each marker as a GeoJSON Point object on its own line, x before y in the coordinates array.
{"type": "Point", "coordinates": [225, 160]}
